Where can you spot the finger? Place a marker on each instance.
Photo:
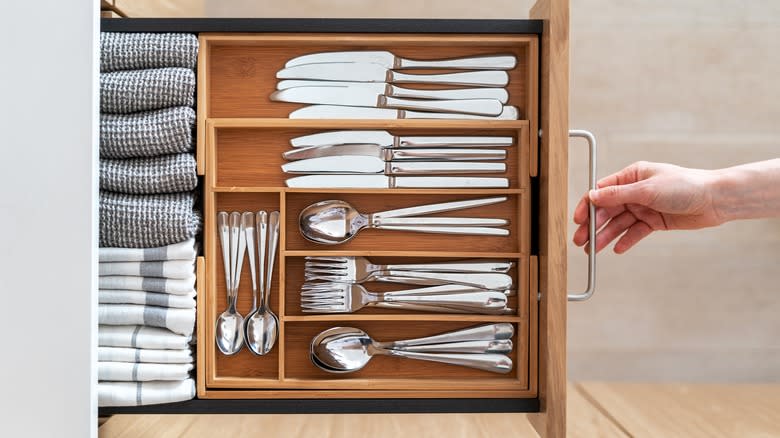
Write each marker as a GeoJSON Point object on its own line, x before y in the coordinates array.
{"type": "Point", "coordinates": [637, 232]}
{"type": "Point", "coordinates": [617, 226]}
{"type": "Point", "coordinates": [602, 216]}
{"type": "Point", "coordinates": [581, 210]}
{"type": "Point", "coordinates": [636, 193]}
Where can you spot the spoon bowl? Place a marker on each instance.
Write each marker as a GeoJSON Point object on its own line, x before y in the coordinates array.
{"type": "Point", "coordinates": [262, 327]}
{"type": "Point", "coordinates": [230, 337]}
{"type": "Point", "coordinates": [331, 222]}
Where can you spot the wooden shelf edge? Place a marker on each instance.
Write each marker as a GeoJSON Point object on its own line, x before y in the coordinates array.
{"type": "Point", "coordinates": [408, 254]}
{"type": "Point", "coordinates": [247, 189]}
{"type": "Point", "coordinates": [404, 317]}
{"type": "Point", "coordinates": [336, 124]}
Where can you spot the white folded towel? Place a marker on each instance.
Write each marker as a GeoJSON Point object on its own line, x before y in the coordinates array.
{"type": "Point", "coordinates": [144, 393]}
{"type": "Point", "coordinates": [148, 284]}
{"type": "Point", "coordinates": [181, 321]}
{"type": "Point", "coordinates": [143, 355]}
{"type": "Point", "coordinates": [180, 269]}
{"type": "Point", "coordinates": [142, 372]}
{"type": "Point", "coordinates": [147, 298]}
{"type": "Point", "coordinates": [138, 336]}
{"type": "Point", "coordinates": [186, 250]}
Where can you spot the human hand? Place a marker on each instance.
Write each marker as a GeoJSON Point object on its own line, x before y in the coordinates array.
{"type": "Point", "coordinates": [646, 197]}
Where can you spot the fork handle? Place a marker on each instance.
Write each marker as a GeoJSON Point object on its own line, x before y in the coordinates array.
{"type": "Point", "coordinates": [477, 231]}
{"type": "Point", "coordinates": [490, 281]}
{"type": "Point", "coordinates": [495, 363]}
{"type": "Point", "coordinates": [444, 309]}
{"type": "Point", "coordinates": [477, 300]}
{"type": "Point", "coordinates": [460, 266]}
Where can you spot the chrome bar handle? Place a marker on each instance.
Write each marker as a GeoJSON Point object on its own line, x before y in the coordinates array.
{"type": "Point", "coordinates": [582, 296]}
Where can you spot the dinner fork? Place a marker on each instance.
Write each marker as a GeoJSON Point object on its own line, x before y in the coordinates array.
{"type": "Point", "coordinates": [360, 267]}
{"type": "Point", "coordinates": [482, 280]}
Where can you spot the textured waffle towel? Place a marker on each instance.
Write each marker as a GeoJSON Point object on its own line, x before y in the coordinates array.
{"type": "Point", "coordinates": [145, 221]}
{"type": "Point", "coordinates": [185, 250]}
{"type": "Point", "coordinates": [144, 393]}
{"type": "Point", "coordinates": [143, 372]}
{"type": "Point", "coordinates": [176, 286]}
{"type": "Point", "coordinates": [181, 321]}
{"type": "Point", "coordinates": [137, 336]}
{"type": "Point", "coordinates": [180, 269]}
{"type": "Point", "coordinates": [163, 174]}
{"type": "Point", "coordinates": [186, 301]}
{"type": "Point", "coordinates": [132, 51]}
{"type": "Point", "coordinates": [147, 134]}
{"type": "Point", "coordinates": [143, 90]}
{"type": "Point", "coordinates": [143, 355]}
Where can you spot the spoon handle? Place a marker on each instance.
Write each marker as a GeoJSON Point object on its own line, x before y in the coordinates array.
{"type": "Point", "coordinates": [495, 363]}
{"type": "Point", "coordinates": [224, 240]}
{"type": "Point", "coordinates": [438, 208]}
{"type": "Point", "coordinates": [474, 347]}
{"type": "Point", "coordinates": [487, 332]}
{"type": "Point", "coordinates": [273, 241]}
{"type": "Point", "coordinates": [262, 236]}
{"type": "Point", "coordinates": [235, 238]}
{"type": "Point", "coordinates": [248, 223]}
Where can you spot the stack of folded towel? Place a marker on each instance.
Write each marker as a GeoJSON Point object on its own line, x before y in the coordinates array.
{"type": "Point", "coordinates": [148, 218]}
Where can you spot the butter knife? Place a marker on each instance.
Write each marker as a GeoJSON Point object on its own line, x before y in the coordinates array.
{"type": "Point", "coordinates": [346, 71]}
{"type": "Point", "coordinates": [394, 182]}
{"type": "Point", "coordinates": [390, 60]}
{"type": "Point", "coordinates": [357, 112]}
{"type": "Point", "coordinates": [375, 165]}
{"type": "Point", "coordinates": [388, 140]}
{"type": "Point", "coordinates": [499, 94]}
{"type": "Point", "coordinates": [389, 154]}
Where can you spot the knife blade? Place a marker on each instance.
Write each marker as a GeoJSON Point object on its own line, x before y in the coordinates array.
{"type": "Point", "coordinates": [389, 154]}
{"type": "Point", "coordinates": [388, 140]}
{"type": "Point", "coordinates": [499, 94]}
{"type": "Point", "coordinates": [392, 182]}
{"type": "Point", "coordinates": [357, 112]}
{"type": "Point", "coordinates": [359, 96]}
{"type": "Point", "coordinates": [375, 165]}
{"type": "Point", "coordinates": [389, 60]}
{"type": "Point", "coordinates": [345, 71]}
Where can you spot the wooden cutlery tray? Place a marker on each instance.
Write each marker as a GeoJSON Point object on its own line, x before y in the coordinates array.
{"type": "Point", "coordinates": [242, 135]}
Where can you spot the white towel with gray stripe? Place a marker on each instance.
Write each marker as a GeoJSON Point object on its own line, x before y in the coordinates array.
{"type": "Point", "coordinates": [138, 336]}
{"type": "Point", "coordinates": [186, 250]}
{"type": "Point", "coordinates": [149, 175]}
{"type": "Point", "coordinates": [181, 321]}
{"type": "Point", "coordinates": [137, 50]}
{"type": "Point", "coordinates": [130, 91]}
{"type": "Point", "coordinates": [147, 134]}
{"type": "Point", "coordinates": [142, 372]}
{"type": "Point", "coordinates": [144, 393]}
{"type": "Point", "coordinates": [109, 296]}
{"type": "Point", "coordinates": [176, 286]}
{"type": "Point", "coordinates": [143, 355]}
{"type": "Point", "coordinates": [178, 269]}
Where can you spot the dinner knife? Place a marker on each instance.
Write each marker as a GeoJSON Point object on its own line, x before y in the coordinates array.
{"type": "Point", "coordinates": [375, 165]}
{"type": "Point", "coordinates": [499, 94]}
{"type": "Point", "coordinates": [390, 154]}
{"type": "Point", "coordinates": [357, 112]}
{"type": "Point", "coordinates": [359, 96]}
{"type": "Point", "coordinates": [388, 140]}
{"type": "Point", "coordinates": [389, 60]}
{"type": "Point", "coordinates": [345, 71]}
{"type": "Point", "coordinates": [394, 182]}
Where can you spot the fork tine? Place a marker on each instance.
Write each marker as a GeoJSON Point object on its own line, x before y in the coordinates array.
{"type": "Point", "coordinates": [327, 258]}
{"type": "Point", "coordinates": [322, 296]}
{"type": "Point", "coordinates": [321, 286]}
{"type": "Point", "coordinates": [323, 270]}
{"type": "Point", "coordinates": [333, 309]}
{"type": "Point", "coordinates": [320, 265]}
{"type": "Point", "coordinates": [326, 278]}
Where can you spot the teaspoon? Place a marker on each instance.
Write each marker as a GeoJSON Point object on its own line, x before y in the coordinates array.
{"type": "Point", "coordinates": [263, 326]}
{"type": "Point", "coordinates": [229, 328]}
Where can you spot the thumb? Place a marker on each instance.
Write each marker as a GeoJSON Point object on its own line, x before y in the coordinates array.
{"type": "Point", "coordinates": [612, 196]}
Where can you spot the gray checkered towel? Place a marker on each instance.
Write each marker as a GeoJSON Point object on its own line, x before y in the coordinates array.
{"type": "Point", "coordinates": [163, 174]}
{"type": "Point", "coordinates": [147, 134]}
{"type": "Point", "coordinates": [133, 51]}
{"type": "Point", "coordinates": [130, 91]}
{"type": "Point", "coordinates": [145, 221]}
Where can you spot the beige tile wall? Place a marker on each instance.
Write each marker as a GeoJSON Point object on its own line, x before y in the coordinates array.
{"type": "Point", "coordinates": [692, 82]}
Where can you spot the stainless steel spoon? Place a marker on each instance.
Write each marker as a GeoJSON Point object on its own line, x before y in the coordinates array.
{"type": "Point", "coordinates": [230, 324]}
{"type": "Point", "coordinates": [264, 328]}
{"type": "Point", "coordinates": [254, 320]}
{"type": "Point", "coordinates": [348, 349]}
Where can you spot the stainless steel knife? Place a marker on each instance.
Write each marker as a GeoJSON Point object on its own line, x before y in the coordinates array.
{"type": "Point", "coordinates": [359, 96]}
{"type": "Point", "coordinates": [393, 182]}
{"type": "Point", "coordinates": [389, 60]}
{"type": "Point", "coordinates": [345, 71]}
{"type": "Point", "coordinates": [499, 94]}
{"type": "Point", "coordinates": [374, 165]}
{"type": "Point", "coordinates": [390, 154]}
{"type": "Point", "coordinates": [357, 112]}
{"type": "Point", "coordinates": [388, 140]}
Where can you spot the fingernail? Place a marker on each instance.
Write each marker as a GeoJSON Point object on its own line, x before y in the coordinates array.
{"type": "Point", "coordinates": [593, 195]}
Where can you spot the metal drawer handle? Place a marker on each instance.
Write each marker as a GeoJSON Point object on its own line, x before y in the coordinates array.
{"type": "Point", "coordinates": [582, 296]}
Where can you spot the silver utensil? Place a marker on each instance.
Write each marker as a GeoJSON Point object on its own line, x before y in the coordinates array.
{"type": "Point", "coordinates": [361, 164]}
{"type": "Point", "coordinates": [335, 221]}
{"type": "Point", "coordinates": [357, 267]}
{"type": "Point", "coordinates": [394, 182]}
{"type": "Point", "coordinates": [355, 72]}
{"type": "Point", "coordinates": [248, 224]}
{"type": "Point", "coordinates": [266, 328]}
{"type": "Point", "coordinates": [359, 112]}
{"type": "Point", "coordinates": [390, 90]}
{"type": "Point", "coordinates": [390, 154]}
{"type": "Point", "coordinates": [255, 322]}
{"type": "Point", "coordinates": [485, 332]}
{"type": "Point", "coordinates": [347, 349]}
{"type": "Point", "coordinates": [358, 96]}
{"type": "Point", "coordinates": [482, 280]}
{"type": "Point", "coordinates": [229, 331]}
{"type": "Point", "coordinates": [389, 60]}
{"type": "Point", "coordinates": [502, 346]}
{"type": "Point", "coordinates": [350, 298]}
{"type": "Point", "coordinates": [388, 140]}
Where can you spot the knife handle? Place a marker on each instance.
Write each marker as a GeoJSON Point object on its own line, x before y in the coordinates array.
{"type": "Point", "coordinates": [509, 113]}
{"type": "Point", "coordinates": [499, 94]}
{"type": "Point", "coordinates": [485, 78]}
{"type": "Point", "coordinates": [441, 168]}
{"type": "Point", "coordinates": [458, 142]}
{"type": "Point", "coordinates": [492, 62]}
{"type": "Point", "coordinates": [452, 182]}
{"type": "Point", "coordinates": [484, 107]}
{"type": "Point", "coordinates": [448, 154]}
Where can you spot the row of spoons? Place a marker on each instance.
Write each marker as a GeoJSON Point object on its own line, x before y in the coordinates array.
{"type": "Point", "coordinates": [240, 234]}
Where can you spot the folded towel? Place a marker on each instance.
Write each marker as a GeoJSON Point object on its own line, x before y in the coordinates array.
{"type": "Point", "coordinates": [147, 134]}
{"type": "Point", "coordinates": [130, 91]}
{"type": "Point", "coordinates": [186, 301]}
{"type": "Point", "coordinates": [143, 355]}
{"type": "Point", "coordinates": [163, 174]}
{"type": "Point", "coordinates": [142, 372]}
{"type": "Point", "coordinates": [145, 221]}
{"type": "Point", "coordinates": [181, 286]}
{"type": "Point", "coordinates": [186, 250]}
{"type": "Point", "coordinates": [132, 51]}
{"type": "Point", "coordinates": [144, 393]}
{"type": "Point", "coordinates": [181, 321]}
{"type": "Point", "coordinates": [170, 269]}
{"type": "Point", "coordinates": [138, 336]}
